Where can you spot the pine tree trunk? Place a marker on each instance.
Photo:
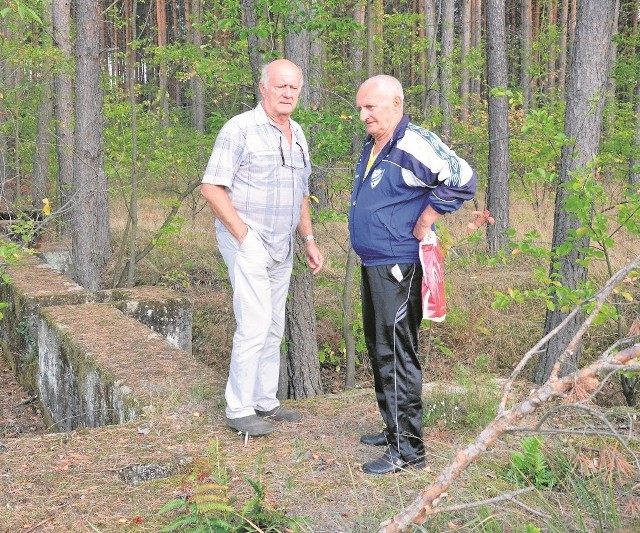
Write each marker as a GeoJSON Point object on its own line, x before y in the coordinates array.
{"type": "Point", "coordinates": [197, 108]}
{"type": "Point", "coordinates": [498, 190]}
{"type": "Point", "coordinates": [63, 110]}
{"type": "Point", "coordinates": [583, 121]}
{"type": "Point", "coordinates": [90, 223]}
{"type": "Point", "coordinates": [563, 48]}
{"type": "Point", "coordinates": [446, 68]}
{"type": "Point", "coordinates": [465, 44]}
{"type": "Point", "coordinates": [634, 175]}
{"type": "Point", "coordinates": [431, 97]}
{"type": "Point", "coordinates": [526, 53]}
{"type": "Point", "coordinates": [300, 365]}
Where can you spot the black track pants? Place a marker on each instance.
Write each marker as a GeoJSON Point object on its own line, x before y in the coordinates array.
{"type": "Point", "coordinates": [391, 315]}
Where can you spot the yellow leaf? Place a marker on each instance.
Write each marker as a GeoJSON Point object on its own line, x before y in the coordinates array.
{"type": "Point", "coordinates": [46, 206]}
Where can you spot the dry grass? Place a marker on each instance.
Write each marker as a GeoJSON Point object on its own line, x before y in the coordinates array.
{"type": "Point", "coordinates": [71, 482]}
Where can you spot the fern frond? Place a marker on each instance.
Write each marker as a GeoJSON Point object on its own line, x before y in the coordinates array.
{"type": "Point", "coordinates": [176, 503]}
{"type": "Point", "coordinates": [180, 522]}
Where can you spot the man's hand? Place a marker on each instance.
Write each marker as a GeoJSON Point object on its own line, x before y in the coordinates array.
{"type": "Point", "coordinates": [424, 223]}
{"type": "Point", "coordinates": [315, 260]}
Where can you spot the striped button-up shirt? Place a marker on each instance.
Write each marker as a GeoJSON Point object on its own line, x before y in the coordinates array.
{"type": "Point", "coordinates": [265, 176]}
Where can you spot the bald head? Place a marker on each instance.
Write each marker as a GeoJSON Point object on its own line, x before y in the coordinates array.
{"type": "Point", "coordinates": [380, 100]}
{"type": "Point", "coordinates": [269, 69]}
{"type": "Point", "coordinates": [384, 83]}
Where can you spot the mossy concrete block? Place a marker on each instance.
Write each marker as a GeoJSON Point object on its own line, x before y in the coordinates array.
{"type": "Point", "coordinates": [164, 311]}
{"type": "Point", "coordinates": [32, 285]}
{"type": "Point", "coordinates": [97, 366]}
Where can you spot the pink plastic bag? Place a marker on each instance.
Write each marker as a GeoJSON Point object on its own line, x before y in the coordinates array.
{"type": "Point", "coordinates": [433, 301]}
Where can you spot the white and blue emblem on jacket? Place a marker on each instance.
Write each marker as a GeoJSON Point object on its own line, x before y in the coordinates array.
{"type": "Point", "coordinates": [376, 176]}
{"type": "Point", "coordinates": [415, 169]}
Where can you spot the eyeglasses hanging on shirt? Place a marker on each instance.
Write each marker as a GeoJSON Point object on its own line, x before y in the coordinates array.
{"type": "Point", "coordinates": [295, 162]}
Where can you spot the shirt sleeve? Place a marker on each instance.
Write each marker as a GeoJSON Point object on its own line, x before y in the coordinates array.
{"type": "Point", "coordinates": [226, 157]}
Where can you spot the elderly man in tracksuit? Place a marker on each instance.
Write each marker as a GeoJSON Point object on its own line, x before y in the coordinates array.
{"type": "Point", "coordinates": [406, 178]}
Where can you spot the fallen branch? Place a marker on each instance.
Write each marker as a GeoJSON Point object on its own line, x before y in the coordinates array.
{"type": "Point", "coordinates": [424, 505]}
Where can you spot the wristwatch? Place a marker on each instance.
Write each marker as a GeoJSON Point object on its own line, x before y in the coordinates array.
{"type": "Point", "coordinates": [308, 238]}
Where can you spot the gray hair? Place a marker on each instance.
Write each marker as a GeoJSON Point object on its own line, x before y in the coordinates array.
{"type": "Point", "coordinates": [264, 73]}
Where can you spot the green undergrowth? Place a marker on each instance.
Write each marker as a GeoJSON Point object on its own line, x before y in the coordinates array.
{"type": "Point", "coordinates": [203, 504]}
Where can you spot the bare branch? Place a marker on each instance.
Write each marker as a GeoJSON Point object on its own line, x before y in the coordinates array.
{"type": "Point", "coordinates": [423, 506]}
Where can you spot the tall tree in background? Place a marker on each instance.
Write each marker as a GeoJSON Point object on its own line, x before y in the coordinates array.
{"type": "Point", "coordinates": [90, 211]}
{"type": "Point", "coordinates": [131, 234]}
{"type": "Point", "coordinates": [163, 79]}
{"type": "Point", "coordinates": [583, 119]}
{"type": "Point", "coordinates": [431, 97]}
{"type": "Point", "coordinates": [446, 68]}
{"type": "Point", "coordinates": [476, 40]}
{"type": "Point", "coordinates": [634, 175]}
{"type": "Point", "coordinates": [497, 77]}
{"type": "Point", "coordinates": [4, 160]}
{"type": "Point", "coordinates": [465, 45]}
{"type": "Point", "coordinates": [63, 111]}
{"type": "Point", "coordinates": [564, 40]}
{"type": "Point", "coordinates": [525, 52]}
{"type": "Point", "coordinates": [197, 93]}
{"type": "Point", "coordinates": [256, 49]}
{"type": "Point", "coordinates": [375, 15]}
{"type": "Point", "coordinates": [45, 114]}
{"type": "Point", "coordinates": [300, 365]}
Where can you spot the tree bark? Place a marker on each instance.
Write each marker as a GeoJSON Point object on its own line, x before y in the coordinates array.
{"type": "Point", "coordinates": [476, 41]}
{"type": "Point", "coordinates": [465, 45]}
{"type": "Point", "coordinates": [43, 144]}
{"type": "Point", "coordinates": [301, 350]}
{"type": "Point", "coordinates": [563, 48]}
{"type": "Point", "coordinates": [63, 110]}
{"type": "Point", "coordinates": [300, 365]}
{"type": "Point", "coordinates": [375, 13]}
{"type": "Point", "coordinates": [634, 175]}
{"type": "Point", "coordinates": [90, 232]}
{"type": "Point", "coordinates": [132, 234]}
{"type": "Point", "coordinates": [43, 135]}
{"type": "Point", "coordinates": [163, 78]}
{"type": "Point", "coordinates": [197, 90]}
{"type": "Point", "coordinates": [446, 68]}
{"type": "Point", "coordinates": [526, 79]}
{"type": "Point", "coordinates": [498, 189]}
{"type": "Point", "coordinates": [431, 97]}
{"type": "Point", "coordinates": [583, 120]}
{"type": "Point", "coordinates": [347, 323]}
{"type": "Point", "coordinates": [254, 44]}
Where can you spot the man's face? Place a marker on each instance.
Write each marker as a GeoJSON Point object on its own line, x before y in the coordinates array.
{"type": "Point", "coordinates": [378, 110]}
{"type": "Point", "coordinates": [281, 91]}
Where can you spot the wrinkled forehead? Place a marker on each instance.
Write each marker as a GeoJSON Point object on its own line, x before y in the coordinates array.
{"type": "Point", "coordinates": [284, 75]}
{"type": "Point", "coordinates": [372, 93]}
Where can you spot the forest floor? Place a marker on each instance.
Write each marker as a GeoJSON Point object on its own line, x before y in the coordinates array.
{"type": "Point", "coordinates": [82, 481]}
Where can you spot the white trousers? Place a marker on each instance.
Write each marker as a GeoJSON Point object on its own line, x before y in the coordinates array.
{"type": "Point", "coordinates": [260, 287]}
